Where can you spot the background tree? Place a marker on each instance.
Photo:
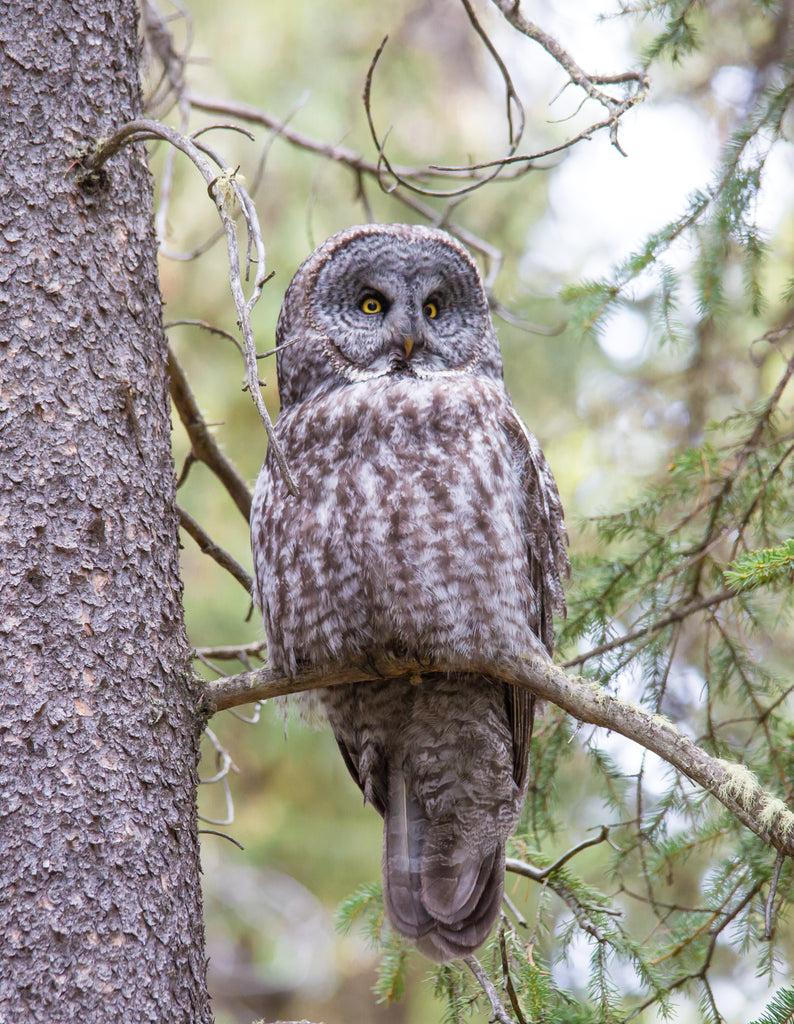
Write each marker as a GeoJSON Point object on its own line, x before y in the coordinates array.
{"type": "Point", "coordinates": [688, 326]}
{"type": "Point", "coordinates": [100, 910]}
{"type": "Point", "coordinates": [663, 613]}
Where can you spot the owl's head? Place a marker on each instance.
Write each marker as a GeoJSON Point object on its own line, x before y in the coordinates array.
{"type": "Point", "coordinates": [383, 299]}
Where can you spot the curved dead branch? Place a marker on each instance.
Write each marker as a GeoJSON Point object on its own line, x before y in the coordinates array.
{"type": "Point", "coordinates": [224, 188]}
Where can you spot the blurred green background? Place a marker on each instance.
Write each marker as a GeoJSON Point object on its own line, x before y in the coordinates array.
{"type": "Point", "coordinates": [607, 413]}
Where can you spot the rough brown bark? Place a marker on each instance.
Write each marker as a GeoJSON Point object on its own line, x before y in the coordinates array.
{"type": "Point", "coordinates": [100, 907]}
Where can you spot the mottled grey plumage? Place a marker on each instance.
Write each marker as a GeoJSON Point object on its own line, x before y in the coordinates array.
{"type": "Point", "coordinates": [428, 523]}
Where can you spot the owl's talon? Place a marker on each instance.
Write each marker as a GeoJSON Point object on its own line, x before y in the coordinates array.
{"type": "Point", "coordinates": [369, 661]}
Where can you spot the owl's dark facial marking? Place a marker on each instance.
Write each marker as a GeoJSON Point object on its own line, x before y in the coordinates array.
{"type": "Point", "coordinates": [407, 339]}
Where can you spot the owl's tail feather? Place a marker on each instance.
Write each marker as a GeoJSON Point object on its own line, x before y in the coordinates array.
{"type": "Point", "coordinates": [437, 892]}
{"type": "Point", "coordinates": [404, 829]}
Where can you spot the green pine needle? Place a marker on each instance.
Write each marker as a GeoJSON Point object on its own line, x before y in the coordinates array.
{"type": "Point", "coordinates": [764, 568]}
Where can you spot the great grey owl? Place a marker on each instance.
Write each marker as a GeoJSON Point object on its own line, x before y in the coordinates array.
{"type": "Point", "coordinates": [428, 523]}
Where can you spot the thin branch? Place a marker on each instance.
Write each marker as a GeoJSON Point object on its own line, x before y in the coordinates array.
{"type": "Point", "coordinates": [524, 158]}
{"type": "Point", "coordinates": [733, 785]}
{"type": "Point", "coordinates": [221, 187]}
{"type": "Point", "coordinates": [720, 487]}
{"type": "Point", "coordinates": [225, 127]}
{"type": "Point", "coordinates": [511, 96]}
{"type": "Point", "coordinates": [224, 761]}
{"type": "Point", "coordinates": [520, 323]}
{"type": "Point", "coordinates": [215, 552]}
{"type": "Point", "coordinates": [654, 627]}
{"type": "Point", "coordinates": [616, 107]}
{"type": "Point", "coordinates": [360, 168]}
{"type": "Point", "coordinates": [255, 115]}
{"type": "Point", "coordinates": [494, 167]}
{"type": "Point", "coordinates": [224, 765]}
{"type": "Point", "coordinates": [203, 445]}
{"type": "Point", "coordinates": [500, 1014]}
{"type": "Point", "coordinates": [520, 867]}
{"type": "Point", "coordinates": [771, 898]}
{"type": "Point", "coordinates": [508, 981]}
{"type": "Point", "coordinates": [240, 652]}
{"type": "Point", "coordinates": [520, 919]}
{"type": "Point", "coordinates": [156, 33]}
{"type": "Point", "coordinates": [750, 445]}
{"type": "Point", "coordinates": [215, 832]}
{"type": "Point", "coordinates": [700, 974]}
{"type": "Point", "coordinates": [205, 326]}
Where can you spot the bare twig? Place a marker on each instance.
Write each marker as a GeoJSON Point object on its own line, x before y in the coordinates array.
{"type": "Point", "coordinates": [495, 167]}
{"type": "Point", "coordinates": [241, 652]}
{"type": "Point", "coordinates": [221, 187]}
{"type": "Point", "coordinates": [223, 835]}
{"type": "Point", "coordinates": [768, 923]}
{"type": "Point", "coordinates": [160, 40]}
{"type": "Point", "coordinates": [255, 115]}
{"type": "Point", "coordinates": [205, 326]}
{"type": "Point", "coordinates": [700, 975]}
{"type": "Point", "coordinates": [589, 83]}
{"type": "Point", "coordinates": [520, 867]}
{"type": "Point", "coordinates": [520, 323]}
{"type": "Point", "coordinates": [224, 761]}
{"type": "Point", "coordinates": [520, 919]}
{"type": "Point", "coordinates": [509, 986]}
{"type": "Point", "coordinates": [215, 552]}
{"type": "Point", "coordinates": [683, 612]}
{"type": "Point", "coordinates": [224, 765]}
{"type": "Point", "coordinates": [500, 1014]}
{"type": "Point", "coordinates": [636, 84]}
{"type": "Point", "coordinates": [203, 445]}
{"type": "Point", "coordinates": [199, 250]}
{"type": "Point", "coordinates": [359, 166]}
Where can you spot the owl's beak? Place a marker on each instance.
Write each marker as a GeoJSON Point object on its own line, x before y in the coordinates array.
{"type": "Point", "coordinates": [408, 344]}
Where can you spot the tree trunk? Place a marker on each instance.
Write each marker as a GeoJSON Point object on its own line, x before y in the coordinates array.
{"type": "Point", "coordinates": [100, 906]}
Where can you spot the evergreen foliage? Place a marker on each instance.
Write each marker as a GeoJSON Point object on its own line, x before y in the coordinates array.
{"type": "Point", "coordinates": [680, 598]}
{"type": "Point", "coordinates": [763, 568]}
{"type": "Point", "coordinates": [680, 602]}
{"type": "Point", "coordinates": [780, 1010]}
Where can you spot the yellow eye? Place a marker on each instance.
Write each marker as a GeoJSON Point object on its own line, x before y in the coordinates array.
{"type": "Point", "coordinates": [430, 310]}
{"type": "Point", "coordinates": [371, 305]}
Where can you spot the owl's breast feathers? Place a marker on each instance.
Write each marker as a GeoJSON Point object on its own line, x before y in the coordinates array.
{"type": "Point", "coordinates": [420, 505]}
{"type": "Point", "coordinates": [427, 522]}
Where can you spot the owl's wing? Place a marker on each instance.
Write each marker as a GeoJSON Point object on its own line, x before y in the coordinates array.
{"type": "Point", "coordinates": [543, 527]}
{"type": "Point", "coordinates": [374, 786]}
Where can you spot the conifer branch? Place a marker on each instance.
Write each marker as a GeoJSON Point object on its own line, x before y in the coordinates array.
{"type": "Point", "coordinates": [762, 568]}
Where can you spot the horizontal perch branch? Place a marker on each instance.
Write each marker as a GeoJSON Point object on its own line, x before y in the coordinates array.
{"type": "Point", "coordinates": [733, 785]}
